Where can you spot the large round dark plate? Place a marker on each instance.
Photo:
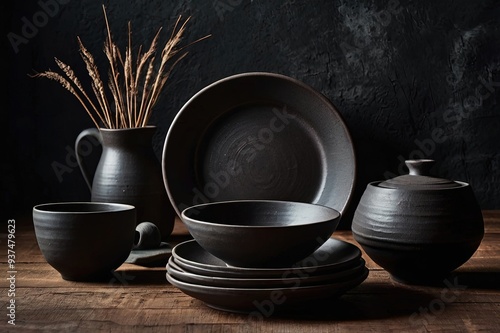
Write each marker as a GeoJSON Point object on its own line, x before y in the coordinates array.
{"type": "Point", "coordinates": [246, 299]}
{"type": "Point", "coordinates": [258, 136]}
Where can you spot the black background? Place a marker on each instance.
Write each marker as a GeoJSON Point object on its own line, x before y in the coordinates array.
{"type": "Point", "coordinates": [411, 78]}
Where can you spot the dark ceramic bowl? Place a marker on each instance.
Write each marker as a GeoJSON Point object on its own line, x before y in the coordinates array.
{"type": "Point", "coordinates": [260, 233]}
{"type": "Point", "coordinates": [418, 235]}
{"type": "Point", "coordinates": [85, 241]}
{"type": "Point", "coordinates": [418, 263]}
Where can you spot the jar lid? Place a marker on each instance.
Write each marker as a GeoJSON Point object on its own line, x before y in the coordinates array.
{"type": "Point", "coordinates": [418, 178]}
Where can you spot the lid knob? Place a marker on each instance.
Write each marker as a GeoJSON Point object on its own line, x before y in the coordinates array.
{"type": "Point", "coordinates": [419, 178]}
{"type": "Point", "coordinates": [419, 167]}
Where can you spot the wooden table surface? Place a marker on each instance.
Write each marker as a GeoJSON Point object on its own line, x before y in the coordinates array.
{"type": "Point", "coordinates": [139, 299]}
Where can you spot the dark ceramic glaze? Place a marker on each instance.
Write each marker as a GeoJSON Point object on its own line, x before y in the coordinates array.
{"type": "Point", "coordinates": [129, 172]}
{"type": "Point", "coordinates": [244, 300]}
{"type": "Point", "coordinates": [417, 227]}
{"type": "Point", "coordinates": [282, 281]}
{"type": "Point", "coordinates": [259, 136]}
{"type": "Point", "coordinates": [333, 256]}
{"type": "Point", "coordinates": [260, 233]}
{"type": "Point", "coordinates": [84, 241]}
{"type": "Point", "coordinates": [147, 236]}
{"type": "Point", "coordinates": [155, 257]}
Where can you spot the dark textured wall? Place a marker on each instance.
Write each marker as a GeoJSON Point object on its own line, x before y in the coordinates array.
{"type": "Point", "coordinates": [411, 78]}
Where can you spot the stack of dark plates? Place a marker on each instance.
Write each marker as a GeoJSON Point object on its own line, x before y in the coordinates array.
{"type": "Point", "coordinates": [330, 271]}
{"type": "Point", "coordinates": [273, 162]}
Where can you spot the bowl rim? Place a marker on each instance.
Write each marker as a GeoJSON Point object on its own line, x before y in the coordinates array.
{"type": "Point", "coordinates": [336, 213]}
{"type": "Point", "coordinates": [117, 207]}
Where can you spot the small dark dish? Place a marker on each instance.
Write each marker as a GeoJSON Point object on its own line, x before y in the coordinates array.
{"type": "Point", "coordinates": [333, 256]}
{"type": "Point", "coordinates": [85, 241]}
{"type": "Point", "coordinates": [285, 281]}
{"type": "Point", "coordinates": [419, 228]}
{"type": "Point", "coordinates": [260, 233]}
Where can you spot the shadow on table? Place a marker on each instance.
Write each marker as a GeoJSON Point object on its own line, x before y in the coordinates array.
{"type": "Point", "coordinates": [386, 303]}
{"type": "Point", "coordinates": [484, 279]}
{"type": "Point", "coordinates": [138, 277]}
{"type": "Point", "coordinates": [378, 301]}
{"type": "Point", "coordinates": [374, 302]}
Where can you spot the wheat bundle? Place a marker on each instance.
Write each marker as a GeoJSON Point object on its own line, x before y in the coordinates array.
{"type": "Point", "coordinates": [134, 84]}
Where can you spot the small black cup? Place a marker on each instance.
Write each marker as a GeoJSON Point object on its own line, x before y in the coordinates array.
{"type": "Point", "coordinates": [85, 241]}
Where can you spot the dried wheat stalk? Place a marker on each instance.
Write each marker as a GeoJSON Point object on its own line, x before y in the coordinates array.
{"type": "Point", "coordinates": [135, 86]}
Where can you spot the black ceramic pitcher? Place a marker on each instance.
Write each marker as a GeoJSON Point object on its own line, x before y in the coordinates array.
{"type": "Point", "coordinates": [129, 172]}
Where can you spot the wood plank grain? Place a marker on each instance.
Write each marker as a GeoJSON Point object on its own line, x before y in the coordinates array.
{"type": "Point", "coordinates": [138, 298]}
{"type": "Point", "coordinates": [349, 313]}
{"type": "Point", "coordinates": [491, 221]}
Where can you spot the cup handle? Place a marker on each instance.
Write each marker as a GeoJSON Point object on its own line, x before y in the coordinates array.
{"type": "Point", "coordinates": [93, 132]}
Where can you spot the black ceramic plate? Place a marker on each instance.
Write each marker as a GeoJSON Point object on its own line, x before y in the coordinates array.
{"type": "Point", "coordinates": [284, 281]}
{"type": "Point", "coordinates": [333, 256]}
{"type": "Point", "coordinates": [258, 136]}
{"type": "Point", "coordinates": [245, 299]}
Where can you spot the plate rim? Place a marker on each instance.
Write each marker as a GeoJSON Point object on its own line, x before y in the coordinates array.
{"type": "Point", "coordinates": [338, 276]}
{"type": "Point", "coordinates": [320, 96]}
{"type": "Point", "coordinates": [298, 294]}
{"type": "Point", "coordinates": [268, 271]}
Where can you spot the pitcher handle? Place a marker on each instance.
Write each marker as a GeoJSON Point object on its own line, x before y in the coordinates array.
{"type": "Point", "coordinates": [92, 132]}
